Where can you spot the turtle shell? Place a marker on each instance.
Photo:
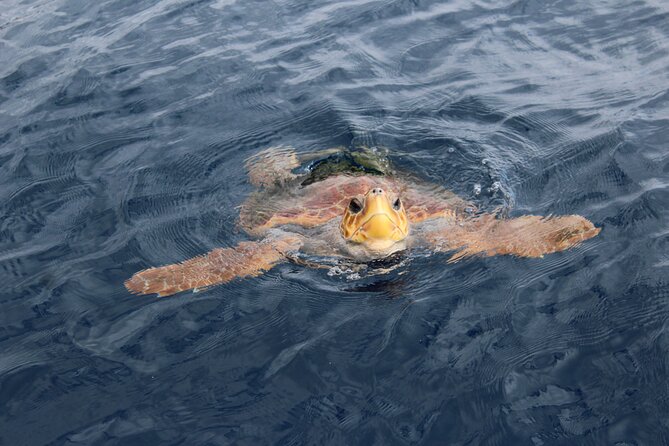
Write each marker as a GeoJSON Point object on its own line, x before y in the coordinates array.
{"type": "Point", "coordinates": [319, 202]}
{"type": "Point", "coordinates": [361, 161]}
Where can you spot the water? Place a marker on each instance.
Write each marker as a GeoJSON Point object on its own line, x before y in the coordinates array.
{"type": "Point", "coordinates": [123, 129]}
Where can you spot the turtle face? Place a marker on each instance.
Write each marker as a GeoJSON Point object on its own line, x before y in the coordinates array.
{"type": "Point", "coordinates": [377, 220]}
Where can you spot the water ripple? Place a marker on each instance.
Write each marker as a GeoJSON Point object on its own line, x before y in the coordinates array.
{"type": "Point", "coordinates": [124, 127]}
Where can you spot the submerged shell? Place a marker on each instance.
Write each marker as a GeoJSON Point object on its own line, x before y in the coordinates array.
{"type": "Point", "coordinates": [320, 202]}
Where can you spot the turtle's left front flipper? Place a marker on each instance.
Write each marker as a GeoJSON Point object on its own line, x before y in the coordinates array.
{"type": "Point", "coordinates": [526, 236]}
{"type": "Point", "coordinates": [218, 266]}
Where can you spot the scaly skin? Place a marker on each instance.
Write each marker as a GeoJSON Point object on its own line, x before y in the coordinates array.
{"type": "Point", "coordinates": [526, 236]}
{"type": "Point", "coordinates": [218, 266]}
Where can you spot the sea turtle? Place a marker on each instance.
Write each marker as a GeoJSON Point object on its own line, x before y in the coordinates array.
{"type": "Point", "coordinates": [352, 207]}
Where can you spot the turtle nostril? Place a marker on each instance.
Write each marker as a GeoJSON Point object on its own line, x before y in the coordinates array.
{"type": "Point", "coordinates": [377, 191]}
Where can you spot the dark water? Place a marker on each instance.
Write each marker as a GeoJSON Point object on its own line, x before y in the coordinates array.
{"type": "Point", "coordinates": [123, 130]}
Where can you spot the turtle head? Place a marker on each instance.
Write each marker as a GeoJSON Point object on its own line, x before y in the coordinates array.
{"type": "Point", "coordinates": [376, 220]}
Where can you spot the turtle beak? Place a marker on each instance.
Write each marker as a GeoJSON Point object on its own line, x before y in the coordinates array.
{"type": "Point", "coordinates": [378, 225]}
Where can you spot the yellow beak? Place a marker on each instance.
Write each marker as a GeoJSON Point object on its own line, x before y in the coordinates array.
{"type": "Point", "coordinates": [378, 225]}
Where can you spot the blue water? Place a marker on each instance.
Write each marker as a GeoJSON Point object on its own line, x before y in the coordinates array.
{"type": "Point", "coordinates": [124, 126]}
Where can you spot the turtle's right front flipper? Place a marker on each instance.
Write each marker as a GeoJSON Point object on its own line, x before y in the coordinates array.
{"type": "Point", "coordinates": [525, 236]}
{"type": "Point", "coordinates": [218, 266]}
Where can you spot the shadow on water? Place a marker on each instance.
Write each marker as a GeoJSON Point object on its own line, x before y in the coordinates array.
{"type": "Point", "coordinates": [124, 127]}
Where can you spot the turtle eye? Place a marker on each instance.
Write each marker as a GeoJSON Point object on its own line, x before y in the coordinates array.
{"type": "Point", "coordinates": [355, 206]}
{"type": "Point", "coordinates": [397, 204]}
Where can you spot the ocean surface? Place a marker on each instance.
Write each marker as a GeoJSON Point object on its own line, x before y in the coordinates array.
{"type": "Point", "coordinates": [124, 126]}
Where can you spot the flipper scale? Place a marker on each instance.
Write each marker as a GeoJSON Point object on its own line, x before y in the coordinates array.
{"type": "Point", "coordinates": [526, 236]}
{"type": "Point", "coordinates": [218, 266]}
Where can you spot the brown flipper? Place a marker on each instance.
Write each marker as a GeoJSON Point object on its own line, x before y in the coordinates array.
{"type": "Point", "coordinates": [526, 236]}
{"type": "Point", "coordinates": [218, 266]}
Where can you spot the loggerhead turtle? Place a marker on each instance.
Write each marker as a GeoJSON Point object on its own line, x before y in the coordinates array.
{"type": "Point", "coordinates": [353, 208]}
